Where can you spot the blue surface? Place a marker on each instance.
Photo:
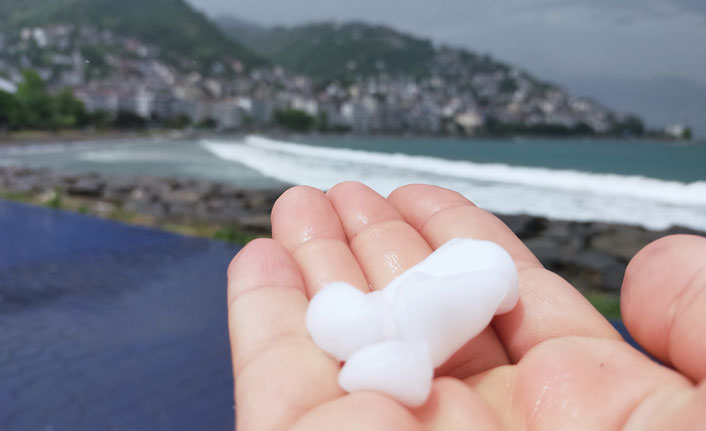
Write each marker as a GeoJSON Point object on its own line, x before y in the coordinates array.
{"type": "Point", "coordinates": [107, 326]}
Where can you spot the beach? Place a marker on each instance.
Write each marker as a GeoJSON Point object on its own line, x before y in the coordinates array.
{"type": "Point", "coordinates": [652, 184]}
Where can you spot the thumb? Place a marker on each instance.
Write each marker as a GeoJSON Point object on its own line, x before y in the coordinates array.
{"type": "Point", "coordinates": [663, 302]}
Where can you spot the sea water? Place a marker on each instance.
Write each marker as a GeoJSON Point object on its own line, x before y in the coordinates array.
{"type": "Point", "coordinates": [649, 183]}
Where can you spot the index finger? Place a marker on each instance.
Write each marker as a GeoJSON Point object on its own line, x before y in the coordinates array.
{"type": "Point", "coordinates": [548, 305]}
{"type": "Point", "coordinates": [279, 373]}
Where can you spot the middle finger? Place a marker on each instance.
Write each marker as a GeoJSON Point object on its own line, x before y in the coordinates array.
{"type": "Point", "coordinates": [385, 246]}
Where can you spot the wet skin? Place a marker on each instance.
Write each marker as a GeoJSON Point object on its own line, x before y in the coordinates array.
{"type": "Point", "coordinates": [552, 363]}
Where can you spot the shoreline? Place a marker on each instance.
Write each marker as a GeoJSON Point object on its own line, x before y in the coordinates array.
{"type": "Point", "coordinates": [39, 137]}
{"type": "Point", "coordinates": [590, 255]}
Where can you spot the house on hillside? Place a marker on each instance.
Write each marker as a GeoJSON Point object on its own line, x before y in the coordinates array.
{"type": "Point", "coordinates": [7, 86]}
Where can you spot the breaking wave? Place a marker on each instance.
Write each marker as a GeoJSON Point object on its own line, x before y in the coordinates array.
{"type": "Point", "coordinates": [561, 194]}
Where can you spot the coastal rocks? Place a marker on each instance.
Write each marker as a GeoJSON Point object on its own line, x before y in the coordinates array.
{"type": "Point", "coordinates": [525, 226]}
{"type": "Point", "coordinates": [90, 186]}
{"type": "Point", "coordinates": [257, 224]}
{"type": "Point", "coordinates": [24, 180]}
{"type": "Point", "coordinates": [622, 243]}
{"type": "Point", "coordinates": [170, 200]}
{"type": "Point", "coordinates": [592, 256]}
{"type": "Point", "coordinates": [154, 209]}
{"type": "Point", "coordinates": [548, 251]}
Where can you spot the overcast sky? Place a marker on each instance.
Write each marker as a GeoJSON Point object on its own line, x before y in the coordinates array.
{"type": "Point", "coordinates": [556, 39]}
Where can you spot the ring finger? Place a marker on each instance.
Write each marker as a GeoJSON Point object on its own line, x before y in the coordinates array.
{"type": "Point", "coordinates": [385, 246]}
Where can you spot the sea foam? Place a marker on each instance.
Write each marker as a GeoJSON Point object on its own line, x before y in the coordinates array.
{"type": "Point", "coordinates": [561, 194]}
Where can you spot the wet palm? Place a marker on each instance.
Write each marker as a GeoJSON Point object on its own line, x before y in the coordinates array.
{"type": "Point", "coordinates": [553, 362]}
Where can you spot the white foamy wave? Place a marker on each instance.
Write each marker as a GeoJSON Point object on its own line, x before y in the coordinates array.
{"type": "Point", "coordinates": [560, 194]}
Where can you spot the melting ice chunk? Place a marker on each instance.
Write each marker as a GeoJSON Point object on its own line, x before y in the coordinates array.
{"type": "Point", "coordinates": [392, 339]}
{"type": "Point", "coordinates": [400, 369]}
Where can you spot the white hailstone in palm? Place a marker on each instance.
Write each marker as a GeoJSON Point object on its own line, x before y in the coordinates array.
{"type": "Point", "coordinates": [391, 340]}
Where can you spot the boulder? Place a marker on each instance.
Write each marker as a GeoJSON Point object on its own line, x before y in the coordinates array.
{"type": "Point", "coordinates": [524, 226]}
{"type": "Point", "coordinates": [548, 251]}
{"type": "Point", "coordinates": [623, 242]}
{"type": "Point", "coordinates": [87, 186]}
{"type": "Point", "coordinates": [603, 271]}
{"type": "Point", "coordinates": [258, 224]}
{"type": "Point", "coordinates": [182, 196]}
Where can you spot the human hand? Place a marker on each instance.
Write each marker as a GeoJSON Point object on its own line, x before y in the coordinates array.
{"type": "Point", "coordinates": [552, 363]}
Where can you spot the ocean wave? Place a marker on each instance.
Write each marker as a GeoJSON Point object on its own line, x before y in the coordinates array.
{"type": "Point", "coordinates": [562, 194]}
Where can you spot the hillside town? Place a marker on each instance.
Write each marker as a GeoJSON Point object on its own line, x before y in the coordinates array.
{"type": "Point", "coordinates": [112, 73]}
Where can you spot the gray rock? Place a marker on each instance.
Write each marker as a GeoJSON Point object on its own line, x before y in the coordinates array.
{"type": "Point", "coordinates": [158, 210]}
{"type": "Point", "coordinates": [259, 224]}
{"type": "Point", "coordinates": [524, 226]}
{"type": "Point", "coordinates": [118, 189]}
{"type": "Point", "coordinates": [183, 196]}
{"type": "Point", "coordinates": [623, 242]}
{"type": "Point", "coordinates": [87, 186]}
{"type": "Point", "coordinates": [548, 251]}
{"type": "Point", "coordinates": [221, 210]}
{"type": "Point", "coordinates": [600, 269]}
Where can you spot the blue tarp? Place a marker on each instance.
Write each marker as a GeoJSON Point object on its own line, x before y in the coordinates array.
{"type": "Point", "coordinates": [109, 326]}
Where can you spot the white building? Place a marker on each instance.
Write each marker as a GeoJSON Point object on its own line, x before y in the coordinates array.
{"type": "Point", "coordinates": [7, 86]}
{"type": "Point", "coordinates": [676, 131]}
{"type": "Point", "coordinates": [469, 121]}
{"type": "Point", "coordinates": [228, 115]}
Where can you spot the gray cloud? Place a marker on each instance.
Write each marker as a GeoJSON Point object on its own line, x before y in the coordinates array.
{"type": "Point", "coordinates": [637, 8]}
{"type": "Point", "coordinates": [554, 38]}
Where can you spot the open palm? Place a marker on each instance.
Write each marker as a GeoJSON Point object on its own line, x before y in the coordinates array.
{"type": "Point", "coordinates": [552, 363]}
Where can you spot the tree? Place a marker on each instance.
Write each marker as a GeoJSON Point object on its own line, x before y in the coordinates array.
{"type": "Point", "coordinates": [294, 119]}
{"type": "Point", "coordinates": [178, 122]}
{"type": "Point", "coordinates": [100, 119]}
{"type": "Point", "coordinates": [207, 123]}
{"type": "Point", "coordinates": [32, 107]}
{"type": "Point", "coordinates": [322, 122]}
{"type": "Point", "coordinates": [69, 111]}
{"type": "Point", "coordinates": [507, 85]}
{"type": "Point", "coordinates": [687, 134]}
{"type": "Point", "coordinates": [35, 101]}
{"type": "Point", "coordinates": [129, 120]}
{"type": "Point", "coordinates": [10, 112]}
{"type": "Point", "coordinates": [628, 126]}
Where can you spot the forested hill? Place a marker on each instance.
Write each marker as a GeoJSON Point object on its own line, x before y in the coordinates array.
{"type": "Point", "coordinates": [328, 50]}
{"type": "Point", "coordinates": [173, 26]}
{"type": "Point", "coordinates": [381, 60]}
{"type": "Point", "coordinates": [337, 51]}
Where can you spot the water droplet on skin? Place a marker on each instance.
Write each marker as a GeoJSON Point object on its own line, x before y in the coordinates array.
{"type": "Point", "coordinates": [307, 234]}
{"type": "Point", "coordinates": [393, 263]}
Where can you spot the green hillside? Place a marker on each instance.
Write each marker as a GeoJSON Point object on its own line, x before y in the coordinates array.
{"type": "Point", "coordinates": [171, 25]}
{"type": "Point", "coordinates": [328, 50]}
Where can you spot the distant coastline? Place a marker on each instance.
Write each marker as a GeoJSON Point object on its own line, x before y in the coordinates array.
{"type": "Point", "coordinates": [27, 137]}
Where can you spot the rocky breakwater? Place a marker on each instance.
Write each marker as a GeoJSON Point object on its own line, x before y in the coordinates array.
{"type": "Point", "coordinates": [592, 256]}
{"type": "Point", "coordinates": [147, 200]}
